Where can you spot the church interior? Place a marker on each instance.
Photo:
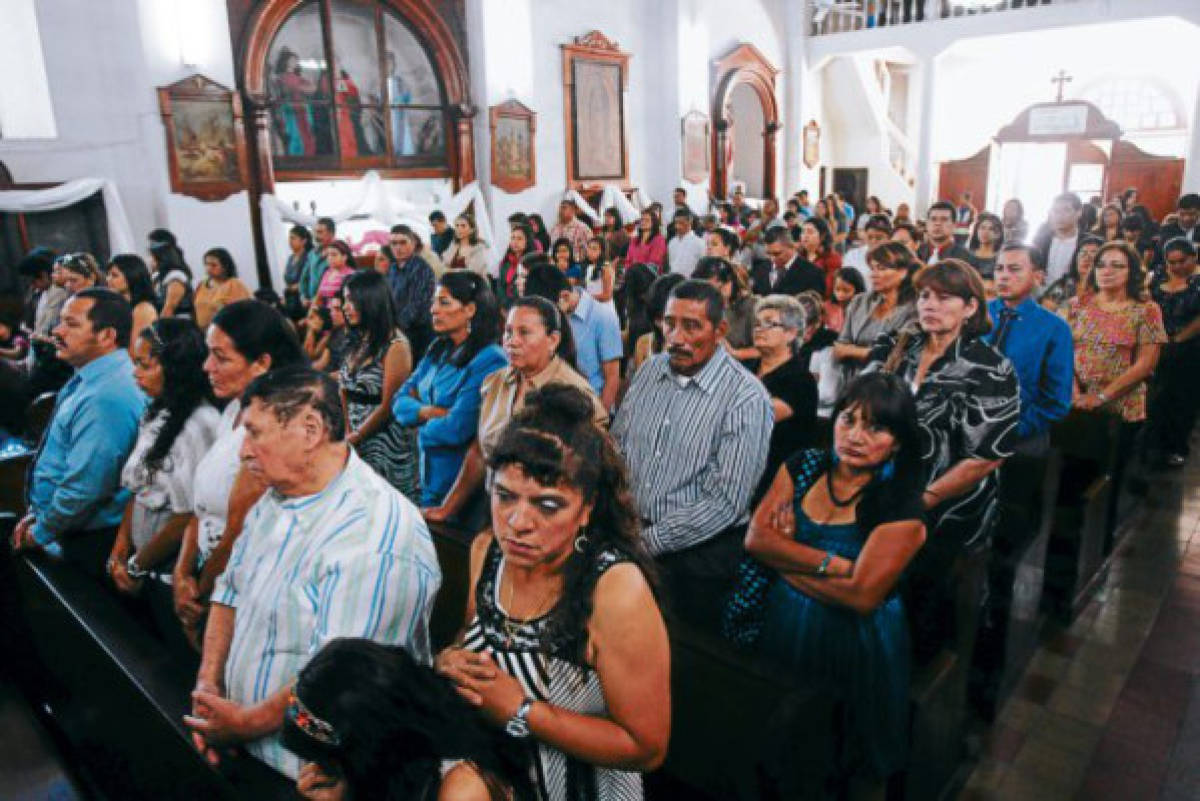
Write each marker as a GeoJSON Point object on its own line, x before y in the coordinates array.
{"type": "Point", "coordinates": [320, 318]}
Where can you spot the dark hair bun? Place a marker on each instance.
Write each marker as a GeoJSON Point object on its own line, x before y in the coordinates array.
{"type": "Point", "coordinates": [560, 405]}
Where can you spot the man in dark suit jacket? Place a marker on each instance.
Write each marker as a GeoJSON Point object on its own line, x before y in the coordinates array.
{"type": "Point", "coordinates": [786, 273]}
{"type": "Point", "coordinates": [940, 244]}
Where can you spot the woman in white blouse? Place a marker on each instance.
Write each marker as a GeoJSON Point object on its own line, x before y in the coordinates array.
{"type": "Point", "coordinates": [246, 339]}
{"type": "Point", "coordinates": [176, 431]}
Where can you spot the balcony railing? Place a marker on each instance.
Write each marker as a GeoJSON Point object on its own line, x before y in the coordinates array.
{"type": "Point", "coordinates": [840, 16]}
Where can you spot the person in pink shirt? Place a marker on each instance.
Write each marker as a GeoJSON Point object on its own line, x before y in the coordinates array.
{"type": "Point", "coordinates": [648, 246]}
{"type": "Point", "coordinates": [341, 264]}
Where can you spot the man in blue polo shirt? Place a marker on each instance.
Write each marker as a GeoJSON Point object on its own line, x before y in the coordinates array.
{"type": "Point", "coordinates": [1036, 341]}
{"type": "Point", "coordinates": [594, 327]}
{"type": "Point", "coordinates": [75, 496]}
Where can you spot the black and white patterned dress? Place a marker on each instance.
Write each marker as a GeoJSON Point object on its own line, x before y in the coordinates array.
{"type": "Point", "coordinates": [391, 450]}
{"type": "Point", "coordinates": [554, 673]}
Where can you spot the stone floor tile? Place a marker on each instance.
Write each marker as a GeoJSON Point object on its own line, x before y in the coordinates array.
{"type": "Point", "coordinates": [1089, 706]}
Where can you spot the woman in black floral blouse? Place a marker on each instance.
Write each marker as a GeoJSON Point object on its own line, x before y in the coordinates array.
{"type": "Point", "coordinates": [968, 407]}
{"type": "Point", "coordinates": [1177, 377]}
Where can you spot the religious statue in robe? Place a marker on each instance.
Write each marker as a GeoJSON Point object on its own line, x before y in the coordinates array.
{"type": "Point", "coordinates": [399, 94]}
{"type": "Point", "coordinates": [295, 114]}
{"type": "Point", "coordinates": [345, 95]}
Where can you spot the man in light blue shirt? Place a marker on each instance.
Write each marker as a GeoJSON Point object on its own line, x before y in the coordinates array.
{"type": "Point", "coordinates": [594, 327]}
{"type": "Point", "coordinates": [314, 267]}
{"type": "Point", "coordinates": [330, 550]}
{"type": "Point", "coordinates": [75, 497]}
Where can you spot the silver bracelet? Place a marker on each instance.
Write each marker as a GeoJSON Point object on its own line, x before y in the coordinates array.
{"type": "Point", "coordinates": [134, 569]}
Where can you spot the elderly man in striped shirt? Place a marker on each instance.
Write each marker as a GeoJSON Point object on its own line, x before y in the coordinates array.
{"type": "Point", "coordinates": [694, 430]}
{"type": "Point", "coordinates": [331, 550]}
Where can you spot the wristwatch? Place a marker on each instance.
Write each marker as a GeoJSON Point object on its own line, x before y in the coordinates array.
{"type": "Point", "coordinates": [1100, 396]}
{"type": "Point", "coordinates": [518, 724]}
{"type": "Point", "coordinates": [134, 569]}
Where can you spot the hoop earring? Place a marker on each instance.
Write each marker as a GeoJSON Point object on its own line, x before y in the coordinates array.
{"type": "Point", "coordinates": [581, 542]}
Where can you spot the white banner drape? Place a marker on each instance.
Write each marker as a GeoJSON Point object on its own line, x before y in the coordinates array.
{"type": "Point", "coordinates": [120, 235]}
{"type": "Point", "coordinates": [611, 197]}
{"type": "Point", "coordinates": [374, 200]}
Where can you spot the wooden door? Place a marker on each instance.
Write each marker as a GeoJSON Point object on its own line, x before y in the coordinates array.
{"type": "Point", "coordinates": [965, 175]}
{"type": "Point", "coordinates": [851, 184]}
{"type": "Point", "coordinates": [1159, 179]}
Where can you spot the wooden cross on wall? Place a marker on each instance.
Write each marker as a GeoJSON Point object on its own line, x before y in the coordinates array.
{"type": "Point", "coordinates": [1062, 79]}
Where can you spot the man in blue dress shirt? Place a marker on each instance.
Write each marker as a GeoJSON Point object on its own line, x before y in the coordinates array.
{"type": "Point", "coordinates": [1036, 341]}
{"type": "Point", "coordinates": [75, 497]}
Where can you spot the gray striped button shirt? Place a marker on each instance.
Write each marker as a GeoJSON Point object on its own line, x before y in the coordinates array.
{"type": "Point", "coordinates": [695, 449]}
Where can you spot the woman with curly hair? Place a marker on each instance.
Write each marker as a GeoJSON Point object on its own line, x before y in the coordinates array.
{"type": "Point", "coordinates": [565, 647]}
{"type": "Point", "coordinates": [359, 704]}
{"type": "Point", "coordinates": [177, 429]}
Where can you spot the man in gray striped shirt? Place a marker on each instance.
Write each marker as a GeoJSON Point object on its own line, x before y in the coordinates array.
{"type": "Point", "coordinates": [694, 429]}
{"type": "Point", "coordinates": [331, 550]}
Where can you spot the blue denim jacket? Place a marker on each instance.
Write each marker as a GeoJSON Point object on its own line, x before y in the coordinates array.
{"type": "Point", "coordinates": [444, 440]}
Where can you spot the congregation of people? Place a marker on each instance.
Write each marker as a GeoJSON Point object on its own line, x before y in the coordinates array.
{"type": "Point", "coordinates": [778, 423]}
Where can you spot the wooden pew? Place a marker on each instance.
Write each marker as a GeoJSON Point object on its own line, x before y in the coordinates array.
{"type": "Point", "coordinates": [1016, 575]}
{"type": "Point", "coordinates": [39, 414]}
{"type": "Point", "coordinates": [938, 694]}
{"type": "Point", "coordinates": [112, 691]}
{"type": "Point", "coordinates": [1076, 553]}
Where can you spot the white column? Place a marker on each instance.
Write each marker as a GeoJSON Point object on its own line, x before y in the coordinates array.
{"type": "Point", "coordinates": [1191, 170]}
{"type": "Point", "coordinates": [798, 103]}
{"type": "Point", "coordinates": [924, 185]}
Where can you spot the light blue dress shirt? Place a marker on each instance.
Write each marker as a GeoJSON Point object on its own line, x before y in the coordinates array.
{"type": "Point", "coordinates": [76, 482]}
{"type": "Point", "coordinates": [597, 333]}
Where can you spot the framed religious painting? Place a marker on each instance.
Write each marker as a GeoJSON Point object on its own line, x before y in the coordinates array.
{"type": "Point", "coordinates": [812, 144]}
{"type": "Point", "coordinates": [695, 147]}
{"type": "Point", "coordinates": [514, 164]}
{"type": "Point", "coordinates": [206, 142]}
{"type": "Point", "coordinates": [595, 77]}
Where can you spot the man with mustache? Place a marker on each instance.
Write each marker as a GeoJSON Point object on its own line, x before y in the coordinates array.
{"type": "Point", "coordinates": [75, 496]}
{"type": "Point", "coordinates": [694, 429]}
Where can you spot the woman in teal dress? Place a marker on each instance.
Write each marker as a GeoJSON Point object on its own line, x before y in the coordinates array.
{"type": "Point", "coordinates": [829, 543]}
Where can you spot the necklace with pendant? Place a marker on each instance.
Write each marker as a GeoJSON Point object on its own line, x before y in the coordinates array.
{"type": "Point", "coordinates": [511, 624]}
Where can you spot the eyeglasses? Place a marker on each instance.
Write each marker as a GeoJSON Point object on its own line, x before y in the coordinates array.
{"type": "Point", "coordinates": [1113, 265]}
{"type": "Point", "coordinates": [760, 325]}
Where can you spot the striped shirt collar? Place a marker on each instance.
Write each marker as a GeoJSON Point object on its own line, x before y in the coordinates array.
{"type": "Point", "coordinates": [708, 377]}
{"type": "Point", "coordinates": [301, 503]}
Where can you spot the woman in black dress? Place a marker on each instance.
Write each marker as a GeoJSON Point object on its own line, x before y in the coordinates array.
{"type": "Point", "coordinates": [1177, 378]}
{"type": "Point", "coordinates": [779, 323]}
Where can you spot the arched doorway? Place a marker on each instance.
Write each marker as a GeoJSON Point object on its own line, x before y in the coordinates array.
{"type": "Point", "coordinates": [334, 88]}
{"type": "Point", "coordinates": [746, 120]}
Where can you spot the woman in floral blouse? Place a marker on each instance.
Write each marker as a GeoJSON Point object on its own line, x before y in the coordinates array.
{"type": "Point", "coordinates": [1118, 335]}
{"type": "Point", "coordinates": [968, 408]}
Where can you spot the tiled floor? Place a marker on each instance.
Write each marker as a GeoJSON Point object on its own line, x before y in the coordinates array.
{"type": "Point", "coordinates": [1109, 708]}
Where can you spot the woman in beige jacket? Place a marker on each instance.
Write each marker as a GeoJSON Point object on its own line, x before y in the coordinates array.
{"type": "Point", "coordinates": [467, 251]}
